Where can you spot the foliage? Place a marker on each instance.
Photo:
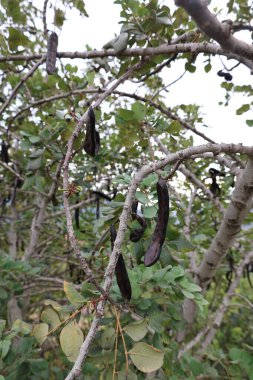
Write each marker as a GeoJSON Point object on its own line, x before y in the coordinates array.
{"type": "Point", "coordinates": [48, 302]}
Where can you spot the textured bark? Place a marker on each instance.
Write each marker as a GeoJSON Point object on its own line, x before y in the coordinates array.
{"type": "Point", "coordinates": [213, 28]}
{"type": "Point", "coordinates": [241, 202]}
{"type": "Point", "coordinates": [12, 233]}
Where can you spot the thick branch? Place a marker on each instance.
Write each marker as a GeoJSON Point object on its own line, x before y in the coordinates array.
{"type": "Point", "coordinates": [241, 202]}
{"type": "Point", "coordinates": [213, 28]}
{"type": "Point", "coordinates": [193, 47]}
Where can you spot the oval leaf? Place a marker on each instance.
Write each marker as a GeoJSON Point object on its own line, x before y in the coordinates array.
{"type": "Point", "coordinates": [150, 212]}
{"type": "Point", "coordinates": [137, 330]}
{"type": "Point", "coordinates": [146, 358]}
{"type": "Point", "coordinates": [73, 296]}
{"type": "Point", "coordinates": [121, 43]}
{"type": "Point", "coordinates": [71, 339]}
{"type": "Point", "coordinates": [50, 317]}
{"type": "Point", "coordinates": [40, 332]}
{"type": "Point", "coordinates": [141, 197]}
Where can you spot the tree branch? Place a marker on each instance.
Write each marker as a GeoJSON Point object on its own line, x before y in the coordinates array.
{"type": "Point", "coordinates": [213, 28]}
{"type": "Point", "coordinates": [192, 47]}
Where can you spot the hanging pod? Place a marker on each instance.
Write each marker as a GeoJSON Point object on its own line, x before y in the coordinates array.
{"type": "Point", "coordinates": [154, 251]}
{"type": "Point", "coordinates": [120, 270]}
{"type": "Point", "coordinates": [137, 234]}
{"type": "Point", "coordinates": [92, 139]}
{"type": "Point", "coordinates": [52, 45]}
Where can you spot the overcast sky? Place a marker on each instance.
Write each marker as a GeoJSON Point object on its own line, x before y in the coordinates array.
{"type": "Point", "coordinates": [200, 88]}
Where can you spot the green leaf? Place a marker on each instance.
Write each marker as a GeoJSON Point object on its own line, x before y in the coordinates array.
{"type": "Point", "coordinates": [163, 20]}
{"type": "Point", "coordinates": [122, 375]}
{"type": "Point", "coordinates": [73, 296]}
{"type": "Point", "coordinates": [59, 17]}
{"type": "Point", "coordinates": [149, 211]}
{"type": "Point", "coordinates": [35, 139]}
{"type": "Point", "coordinates": [208, 67]}
{"type": "Point", "coordinates": [191, 287]}
{"type": "Point", "coordinates": [151, 179]}
{"type": "Point", "coordinates": [174, 127]}
{"type": "Point", "coordinates": [108, 338]}
{"type": "Point", "coordinates": [29, 182]}
{"type": "Point", "coordinates": [249, 123]}
{"type": "Point", "coordinates": [187, 294]}
{"type": "Point", "coordinates": [137, 330]}
{"type": "Point", "coordinates": [139, 110]}
{"type": "Point", "coordinates": [34, 164]}
{"type": "Point", "coordinates": [244, 108]}
{"type": "Point", "coordinates": [120, 44]}
{"type": "Point", "coordinates": [37, 153]}
{"type": "Point", "coordinates": [141, 197]}
{"type": "Point", "coordinates": [21, 326]}
{"type": "Point", "coordinates": [61, 310]}
{"type": "Point", "coordinates": [2, 325]}
{"type": "Point", "coordinates": [190, 67]}
{"type": "Point", "coordinates": [4, 348]}
{"type": "Point", "coordinates": [50, 316]}
{"type": "Point", "coordinates": [146, 358]}
{"type": "Point", "coordinates": [40, 182]}
{"type": "Point", "coordinates": [40, 332]}
{"type": "Point", "coordinates": [196, 367]}
{"type": "Point", "coordinates": [3, 294]}
{"type": "Point", "coordinates": [71, 339]}
{"type": "Point", "coordinates": [17, 39]}
{"type": "Point", "coordinates": [177, 272]}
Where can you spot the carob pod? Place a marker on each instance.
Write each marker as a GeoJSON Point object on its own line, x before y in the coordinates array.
{"type": "Point", "coordinates": [92, 139]}
{"type": "Point", "coordinates": [4, 153]}
{"type": "Point", "coordinates": [136, 235]}
{"type": "Point", "coordinates": [77, 219]}
{"type": "Point", "coordinates": [52, 45]}
{"type": "Point", "coordinates": [154, 251]}
{"type": "Point", "coordinates": [97, 208]}
{"type": "Point", "coordinates": [120, 270]}
{"type": "Point", "coordinates": [228, 77]}
{"type": "Point", "coordinates": [102, 195]}
{"type": "Point", "coordinates": [214, 187]}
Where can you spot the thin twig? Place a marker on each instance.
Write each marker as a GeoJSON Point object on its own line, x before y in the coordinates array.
{"type": "Point", "coordinates": [123, 341]}
{"type": "Point", "coordinates": [45, 17]}
{"type": "Point", "coordinates": [23, 80]}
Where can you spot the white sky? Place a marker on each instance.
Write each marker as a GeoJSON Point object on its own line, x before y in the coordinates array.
{"type": "Point", "coordinates": [200, 88]}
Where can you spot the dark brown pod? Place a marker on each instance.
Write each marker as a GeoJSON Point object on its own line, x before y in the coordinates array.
{"type": "Point", "coordinates": [52, 44]}
{"type": "Point", "coordinates": [154, 251]}
{"type": "Point", "coordinates": [215, 188]}
{"type": "Point", "coordinates": [4, 153]}
{"type": "Point", "coordinates": [102, 195]}
{"type": "Point", "coordinates": [77, 219]}
{"type": "Point", "coordinates": [120, 270]}
{"type": "Point", "coordinates": [136, 235]}
{"type": "Point", "coordinates": [134, 207]}
{"type": "Point", "coordinates": [92, 139]}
